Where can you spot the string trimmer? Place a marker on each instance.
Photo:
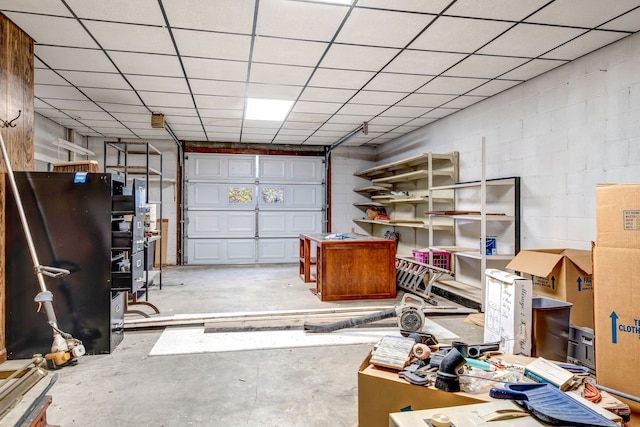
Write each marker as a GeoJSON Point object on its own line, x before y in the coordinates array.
{"type": "Point", "coordinates": [65, 349]}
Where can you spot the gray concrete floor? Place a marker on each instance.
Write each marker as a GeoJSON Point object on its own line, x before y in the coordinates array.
{"type": "Point", "coordinates": [304, 387]}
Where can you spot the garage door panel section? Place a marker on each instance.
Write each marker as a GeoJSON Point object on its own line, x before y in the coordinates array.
{"type": "Point", "coordinates": [221, 224]}
{"type": "Point", "coordinates": [221, 251]}
{"type": "Point", "coordinates": [208, 195]}
{"type": "Point", "coordinates": [274, 250]}
{"type": "Point", "coordinates": [288, 224]}
{"type": "Point", "coordinates": [287, 197]}
{"type": "Point", "coordinates": [291, 168]}
{"type": "Point", "coordinates": [220, 167]}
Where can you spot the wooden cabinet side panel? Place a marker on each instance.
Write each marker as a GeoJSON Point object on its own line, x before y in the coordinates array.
{"type": "Point", "coordinates": [16, 94]}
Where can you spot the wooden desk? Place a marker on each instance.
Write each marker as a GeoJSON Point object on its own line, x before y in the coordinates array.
{"type": "Point", "coordinates": [353, 267]}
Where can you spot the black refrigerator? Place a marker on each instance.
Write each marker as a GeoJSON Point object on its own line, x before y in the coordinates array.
{"type": "Point", "coordinates": [70, 218]}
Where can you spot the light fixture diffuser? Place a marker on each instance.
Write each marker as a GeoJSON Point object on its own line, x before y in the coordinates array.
{"type": "Point", "coordinates": [267, 109]}
{"type": "Point", "coordinates": [70, 146]}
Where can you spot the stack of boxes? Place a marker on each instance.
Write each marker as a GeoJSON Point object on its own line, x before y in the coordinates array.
{"type": "Point", "coordinates": [616, 269]}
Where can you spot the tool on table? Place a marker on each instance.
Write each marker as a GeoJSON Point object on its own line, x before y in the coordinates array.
{"type": "Point", "coordinates": [448, 378]}
{"type": "Point", "coordinates": [552, 406]}
{"type": "Point", "coordinates": [65, 349]}
{"type": "Point", "coordinates": [410, 314]}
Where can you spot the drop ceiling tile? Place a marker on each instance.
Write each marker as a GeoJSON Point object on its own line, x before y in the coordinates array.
{"type": "Point", "coordinates": [69, 123]}
{"type": "Point", "coordinates": [299, 129]}
{"type": "Point", "coordinates": [582, 13]}
{"type": "Point", "coordinates": [431, 6]}
{"type": "Point", "coordinates": [215, 113]}
{"type": "Point", "coordinates": [166, 99]}
{"type": "Point", "coordinates": [287, 52]}
{"type": "Point", "coordinates": [321, 140]}
{"type": "Point", "coordinates": [159, 84]}
{"type": "Point", "coordinates": [280, 74]}
{"type": "Point", "coordinates": [377, 97]}
{"type": "Point", "coordinates": [532, 69]}
{"type": "Point", "coordinates": [133, 118]}
{"type": "Point", "coordinates": [308, 117]}
{"type": "Point", "coordinates": [88, 115]}
{"type": "Point", "coordinates": [223, 129]}
{"type": "Point", "coordinates": [125, 108]}
{"type": "Point", "coordinates": [262, 124]}
{"type": "Point", "coordinates": [147, 63]}
{"type": "Point", "coordinates": [363, 109]}
{"type": "Point", "coordinates": [153, 133]}
{"type": "Point", "coordinates": [404, 129]}
{"type": "Point", "coordinates": [628, 22]}
{"type": "Point", "coordinates": [223, 137]}
{"type": "Point", "coordinates": [288, 139]}
{"type": "Point", "coordinates": [494, 87]}
{"type": "Point", "coordinates": [335, 134]}
{"type": "Point", "coordinates": [530, 41]}
{"type": "Point", "coordinates": [203, 68]}
{"type": "Point", "coordinates": [340, 79]}
{"type": "Point", "coordinates": [316, 107]}
{"type": "Point", "coordinates": [299, 20]}
{"type": "Point", "coordinates": [68, 104]}
{"type": "Point", "coordinates": [496, 9]}
{"type": "Point", "coordinates": [134, 126]}
{"type": "Point", "coordinates": [381, 128]}
{"type": "Point", "coordinates": [192, 136]}
{"type": "Point", "coordinates": [426, 100]}
{"type": "Point", "coordinates": [272, 91]}
{"type": "Point", "coordinates": [326, 94]}
{"type": "Point", "coordinates": [225, 102]}
{"type": "Point", "coordinates": [355, 119]}
{"type": "Point", "coordinates": [132, 38]}
{"type": "Point", "coordinates": [59, 92]}
{"type": "Point", "coordinates": [382, 28]}
{"type": "Point", "coordinates": [67, 58]}
{"type": "Point", "coordinates": [401, 111]}
{"type": "Point", "coordinates": [35, 6]}
{"type": "Point", "coordinates": [397, 82]}
{"type": "Point", "coordinates": [95, 79]}
{"type": "Point", "coordinates": [259, 132]}
{"type": "Point", "coordinates": [424, 63]}
{"type": "Point", "coordinates": [584, 44]}
{"type": "Point", "coordinates": [232, 16]}
{"type": "Point", "coordinates": [451, 85]}
{"type": "Point", "coordinates": [208, 44]}
{"type": "Point", "coordinates": [216, 87]}
{"type": "Point", "coordinates": [42, 107]}
{"type": "Point", "coordinates": [256, 139]}
{"type": "Point", "coordinates": [420, 121]}
{"type": "Point", "coordinates": [103, 124]}
{"type": "Point", "coordinates": [439, 113]}
{"type": "Point", "coordinates": [464, 101]}
{"type": "Point", "coordinates": [340, 127]}
{"type": "Point", "coordinates": [181, 127]}
{"type": "Point", "coordinates": [382, 120]}
{"type": "Point", "coordinates": [53, 30]}
{"type": "Point", "coordinates": [363, 58]}
{"type": "Point", "coordinates": [186, 120]}
{"type": "Point", "coordinates": [459, 34]}
{"type": "Point", "coordinates": [140, 11]}
{"type": "Point", "coordinates": [48, 77]}
{"type": "Point", "coordinates": [485, 66]}
{"type": "Point", "coordinates": [116, 96]}
{"type": "Point", "coordinates": [220, 123]}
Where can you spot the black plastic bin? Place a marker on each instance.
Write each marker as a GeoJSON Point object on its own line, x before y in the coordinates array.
{"type": "Point", "coordinates": [550, 328]}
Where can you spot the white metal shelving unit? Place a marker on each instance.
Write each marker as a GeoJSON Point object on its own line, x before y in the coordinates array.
{"type": "Point", "coordinates": [485, 207]}
{"type": "Point", "coordinates": [402, 188]}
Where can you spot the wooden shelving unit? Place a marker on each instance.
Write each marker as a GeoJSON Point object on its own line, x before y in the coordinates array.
{"type": "Point", "coordinates": [402, 189]}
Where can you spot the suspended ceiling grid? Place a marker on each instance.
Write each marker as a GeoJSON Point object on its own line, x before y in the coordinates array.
{"type": "Point", "coordinates": [103, 66]}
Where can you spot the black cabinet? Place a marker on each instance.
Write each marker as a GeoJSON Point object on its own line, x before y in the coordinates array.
{"type": "Point", "coordinates": [72, 222]}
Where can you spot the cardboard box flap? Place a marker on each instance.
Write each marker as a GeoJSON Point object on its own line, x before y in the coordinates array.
{"type": "Point", "coordinates": [582, 259]}
{"type": "Point", "coordinates": [534, 262]}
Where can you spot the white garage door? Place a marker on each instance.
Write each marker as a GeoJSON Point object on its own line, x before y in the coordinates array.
{"type": "Point", "coordinates": [245, 209]}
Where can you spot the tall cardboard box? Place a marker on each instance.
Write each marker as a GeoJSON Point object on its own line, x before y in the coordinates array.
{"type": "Point", "coordinates": [617, 318]}
{"type": "Point", "coordinates": [562, 274]}
{"type": "Point", "coordinates": [508, 311]}
{"type": "Point", "coordinates": [618, 215]}
{"type": "Point", "coordinates": [616, 275]}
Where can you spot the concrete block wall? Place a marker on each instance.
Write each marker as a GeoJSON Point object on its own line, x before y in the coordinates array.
{"type": "Point", "coordinates": [344, 163]}
{"type": "Point", "coordinates": [563, 132]}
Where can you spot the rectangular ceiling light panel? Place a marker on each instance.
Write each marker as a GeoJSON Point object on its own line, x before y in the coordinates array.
{"type": "Point", "coordinates": [267, 109]}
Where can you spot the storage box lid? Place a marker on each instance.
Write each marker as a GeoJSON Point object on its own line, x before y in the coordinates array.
{"type": "Point", "coordinates": [503, 276]}
{"type": "Point", "coordinates": [541, 262]}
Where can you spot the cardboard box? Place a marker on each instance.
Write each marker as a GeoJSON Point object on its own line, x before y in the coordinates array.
{"type": "Point", "coordinates": [618, 215]}
{"type": "Point", "coordinates": [562, 274]}
{"type": "Point", "coordinates": [381, 392]}
{"type": "Point", "coordinates": [508, 311]}
{"type": "Point", "coordinates": [617, 318]}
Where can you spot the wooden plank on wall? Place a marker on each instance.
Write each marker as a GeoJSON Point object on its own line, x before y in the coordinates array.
{"type": "Point", "coordinates": [16, 93]}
